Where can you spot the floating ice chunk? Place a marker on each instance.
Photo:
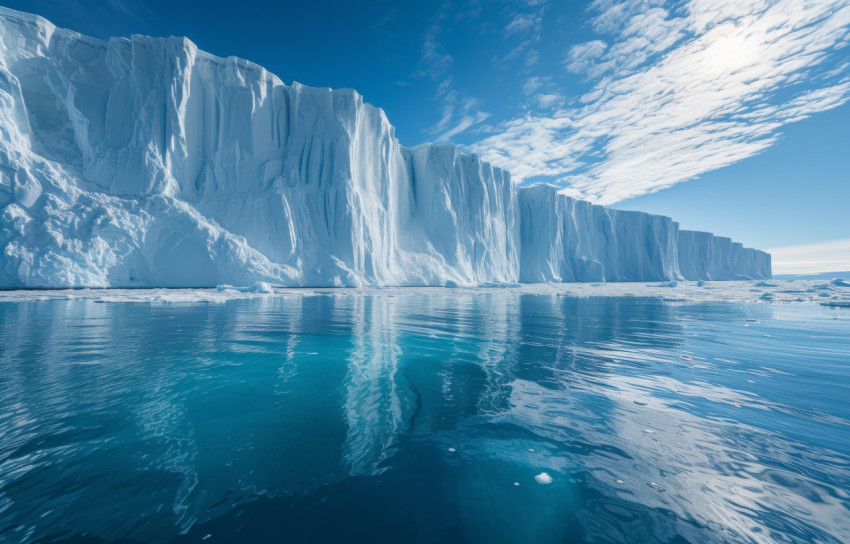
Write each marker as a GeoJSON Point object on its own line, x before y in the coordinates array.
{"type": "Point", "coordinates": [543, 478]}
{"type": "Point", "coordinates": [259, 287]}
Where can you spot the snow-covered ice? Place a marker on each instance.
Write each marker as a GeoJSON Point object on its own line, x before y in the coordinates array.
{"type": "Point", "coordinates": [145, 162]}
{"type": "Point", "coordinates": [685, 292]}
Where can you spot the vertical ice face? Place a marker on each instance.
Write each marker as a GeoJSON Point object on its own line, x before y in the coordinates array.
{"type": "Point", "coordinates": [464, 214]}
{"type": "Point", "coordinates": [703, 256]}
{"type": "Point", "coordinates": [144, 161]}
{"type": "Point", "coordinates": [308, 186]}
{"type": "Point", "coordinates": [567, 240]}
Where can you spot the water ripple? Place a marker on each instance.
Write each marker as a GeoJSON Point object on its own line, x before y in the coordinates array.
{"type": "Point", "coordinates": [495, 415]}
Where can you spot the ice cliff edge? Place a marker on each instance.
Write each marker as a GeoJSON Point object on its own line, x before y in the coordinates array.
{"type": "Point", "coordinates": [146, 162]}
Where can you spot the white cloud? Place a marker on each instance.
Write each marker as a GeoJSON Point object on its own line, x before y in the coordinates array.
{"type": "Point", "coordinates": [812, 259]}
{"type": "Point", "coordinates": [548, 100]}
{"type": "Point", "coordinates": [521, 23]}
{"type": "Point", "coordinates": [434, 61]}
{"type": "Point", "coordinates": [459, 112]}
{"type": "Point", "coordinates": [582, 56]}
{"type": "Point", "coordinates": [529, 26]}
{"type": "Point", "coordinates": [678, 89]}
{"type": "Point", "coordinates": [532, 84]}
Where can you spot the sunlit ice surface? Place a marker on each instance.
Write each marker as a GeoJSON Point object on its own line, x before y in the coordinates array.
{"type": "Point", "coordinates": [622, 413]}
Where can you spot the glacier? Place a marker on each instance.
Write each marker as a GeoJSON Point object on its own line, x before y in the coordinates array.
{"type": "Point", "coordinates": [141, 162]}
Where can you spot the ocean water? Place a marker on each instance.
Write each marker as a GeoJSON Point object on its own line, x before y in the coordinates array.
{"type": "Point", "coordinates": [491, 415]}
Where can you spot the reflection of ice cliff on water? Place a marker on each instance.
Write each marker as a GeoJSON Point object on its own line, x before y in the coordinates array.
{"type": "Point", "coordinates": [364, 407]}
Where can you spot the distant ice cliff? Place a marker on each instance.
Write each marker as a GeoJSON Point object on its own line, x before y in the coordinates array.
{"type": "Point", "coordinates": [146, 162]}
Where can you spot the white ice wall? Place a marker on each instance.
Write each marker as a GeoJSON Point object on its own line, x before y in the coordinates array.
{"type": "Point", "coordinates": [565, 240]}
{"type": "Point", "coordinates": [308, 186]}
{"type": "Point", "coordinates": [703, 256]}
{"type": "Point", "coordinates": [144, 161]}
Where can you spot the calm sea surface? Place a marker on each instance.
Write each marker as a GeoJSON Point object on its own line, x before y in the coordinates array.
{"type": "Point", "coordinates": [491, 416]}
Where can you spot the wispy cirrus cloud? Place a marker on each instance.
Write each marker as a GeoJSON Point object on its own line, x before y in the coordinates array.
{"type": "Point", "coordinates": [519, 24]}
{"type": "Point", "coordinates": [522, 22]}
{"type": "Point", "coordinates": [525, 21]}
{"type": "Point", "coordinates": [434, 61]}
{"type": "Point", "coordinates": [459, 112]}
{"type": "Point", "coordinates": [678, 89]}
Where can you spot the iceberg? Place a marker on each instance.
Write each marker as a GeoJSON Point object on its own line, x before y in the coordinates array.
{"type": "Point", "coordinates": [142, 162]}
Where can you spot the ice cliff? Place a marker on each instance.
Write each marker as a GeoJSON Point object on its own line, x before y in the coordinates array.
{"type": "Point", "coordinates": [703, 256]}
{"type": "Point", "coordinates": [144, 161]}
{"type": "Point", "coordinates": [564, 239]}
{"type": "Point", "coordinates": [568, 240]}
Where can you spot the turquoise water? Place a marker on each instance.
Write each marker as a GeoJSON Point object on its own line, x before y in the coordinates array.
{"type": "Point", "coordinates": [424, 417]}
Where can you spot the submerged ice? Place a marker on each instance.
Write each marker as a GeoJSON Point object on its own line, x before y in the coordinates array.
{"type": "Point", "coordinates": [146, 162]}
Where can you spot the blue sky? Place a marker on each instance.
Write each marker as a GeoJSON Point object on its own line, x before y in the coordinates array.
{"type": "Point", "coordinates": [729, 115]}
